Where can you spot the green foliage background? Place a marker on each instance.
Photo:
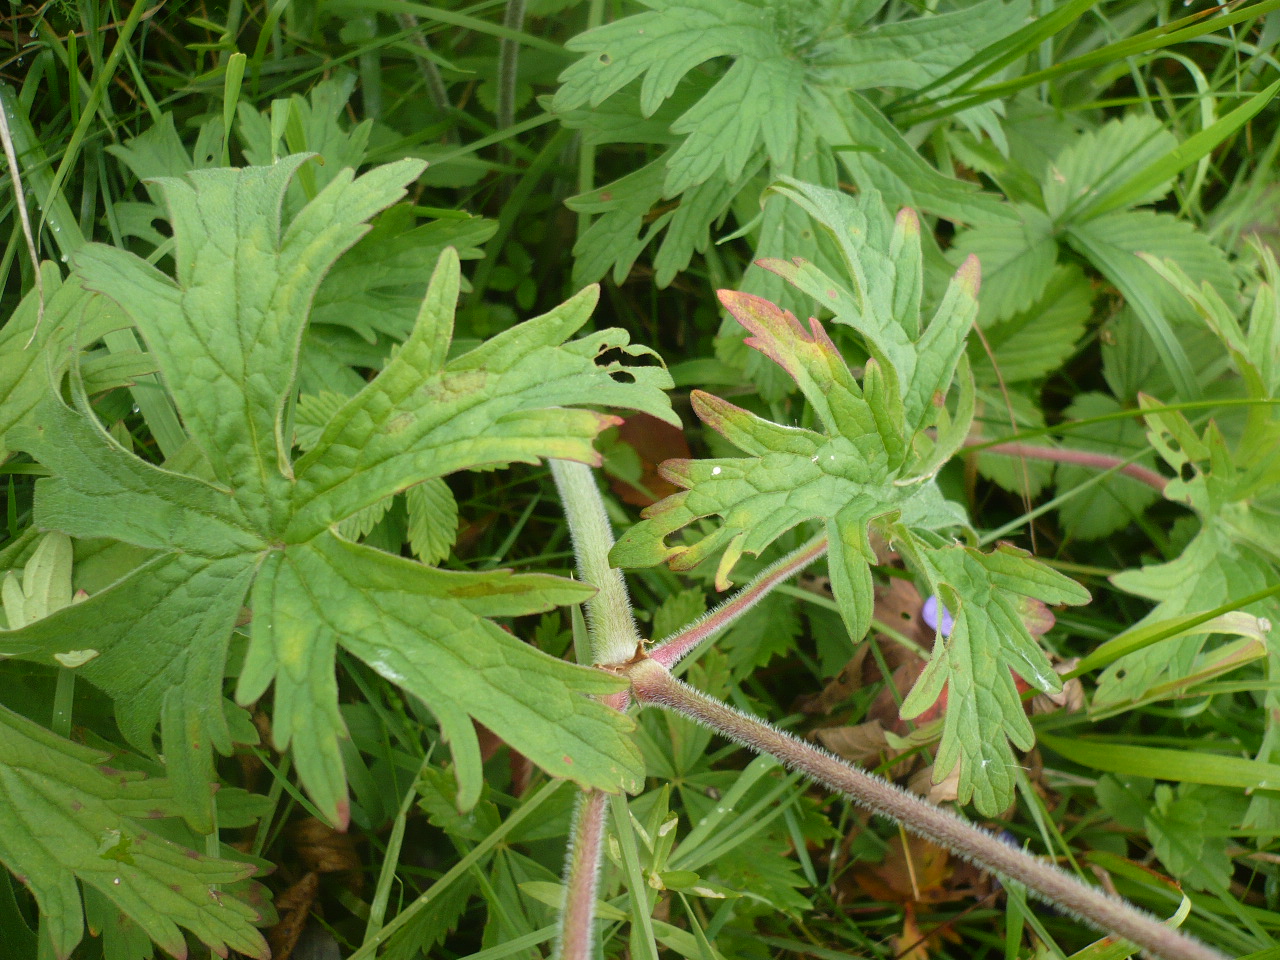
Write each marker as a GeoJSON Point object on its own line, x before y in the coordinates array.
{"type": "Point", "coordinates": [285, 430]}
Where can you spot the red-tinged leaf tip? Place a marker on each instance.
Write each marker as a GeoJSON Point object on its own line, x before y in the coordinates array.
{"type": "Point", "coordinates": [663, 506]}
{"type": "Point", "coordinates": [969, 276]}
{"type": "Point", "coordinates": [1036, 616]}
{"type": "Point", "coordinates": [713, 411]}
{"type": "Point", "coordinates": [701, 401]}
{"type": "Point", "coordinates": [674, 471]}
{"type": "Point", "coordinates": [673, 557]}
{"type": "Point", "coordinates": [820, 336]}
{"type": "Point", "coordinates": [908, 221]}
{"type": "Point", "coordinates": [772, 264]}
{"type": "Point", "coordinates": [762, 317]}
{"type": "Point", "coordinates": [1011, 548]}
{"type": "Point", "coordinates": [342, 815]}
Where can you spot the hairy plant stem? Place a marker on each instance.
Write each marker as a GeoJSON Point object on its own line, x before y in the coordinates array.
{"type": "Point", "coordinates": [652, 683]}
{"type": "Point", "coordinates": [614, 640]}
{"type": "Point", "coordinates": [581, 876]}
{"type": "Point", "coordinates": [509, 64]}
{"type": "Point", "coordinates": [1080, 458]}
{"type": "Point", "coordinates": [614, 637]}
{"type": "Point", "coordinates": [679, 645]}
{"type": "Point", "coordinates": [436, 89]}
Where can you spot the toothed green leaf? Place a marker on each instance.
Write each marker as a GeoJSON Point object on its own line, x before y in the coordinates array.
{"type": "Point", "coordinates": [433, 520]}
{"type": "Point", "coordinates": [28, 342]}
{"type": "Point", "coordinates": [1018, 259]}
{"type": "Point", "coordinates": [1112, 242]}
{"type": "Point", "coordinates": [264, 528]}
{"type": "Point", "coordinates": [871, 465]}
{"type": "Point", "coordinates": [1040, 339]}
{"type": "Point", "coordinates": [1232, 488]}
{"type": "Point", "coordinates": [989, 596]}
{"type": "Point", "coordinates": [1100, 160]}
{"type": "Point", "coordinates": [787, 102]}
{"type": "Point", "coordinates": [71, 821]}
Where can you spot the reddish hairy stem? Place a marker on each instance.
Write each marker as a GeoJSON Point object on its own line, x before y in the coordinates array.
{"type": "Point", "coordinates": [653, 684]}
{"type": "Point", "coordinates": [672, 650]}
{"type": "Point", "coordinates": [582, 874]}
{"type": "Point", "coordinates": [1080, 458]}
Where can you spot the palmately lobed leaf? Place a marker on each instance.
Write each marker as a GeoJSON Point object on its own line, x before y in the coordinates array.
{"type": "Point", "coordinates": [67, 816]}
{"type": "Point", "coordinates": [872, 466]}
{"type": "Point", "coordinates": [788, 104]}
{"type": "Point", "coordinates": [251, 521]}
{"type": "Point", "coordinates": [986, 595]}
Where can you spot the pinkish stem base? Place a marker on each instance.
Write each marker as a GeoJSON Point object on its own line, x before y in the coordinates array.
{"type": "Point", "coordinates": [672, 650]}
{"type": "Point", "coordinates": [1079, 458]}
{"type": "Point", "coordinates": [582, 874]}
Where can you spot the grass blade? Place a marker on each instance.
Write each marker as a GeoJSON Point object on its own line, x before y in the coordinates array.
{"type": "Point", "coordinates": [1198, 145]}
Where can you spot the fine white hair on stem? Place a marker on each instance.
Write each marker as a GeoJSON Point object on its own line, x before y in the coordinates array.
{"type": "Point", "coordinates": [679, 645]}
{"type": "Point", "coordinates": [614, 636]}
{"type": "Point", "coordinates": [576, 937]}
{"type": "Point", "coordinates": [653, 684]}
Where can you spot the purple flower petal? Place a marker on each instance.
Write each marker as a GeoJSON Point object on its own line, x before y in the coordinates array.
{"type": "Point", "coordinates": [930, 614]}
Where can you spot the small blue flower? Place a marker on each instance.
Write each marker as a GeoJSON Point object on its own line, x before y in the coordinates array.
{"type": "Point", "coordinates": [930, 611]}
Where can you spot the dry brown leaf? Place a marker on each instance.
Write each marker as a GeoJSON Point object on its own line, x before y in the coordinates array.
{"type": "Point", "coordinates": [863, 743]}
{"type": "Point", "coordinates": [945, 791]}
{"type": "Point", "coordinates": [1070, 699]}
{"type": "Point", "coordinates": [323, 849]}
{"type": "Point", "coordinates": [654, 441]}
{"type": "Point", "coordinates": [916, 873]}
{"type": "Point", "coordinates": [912, 944]}
{"type": "Point", "coordinates": [837, 691]}
{"type": "Point", "coordinates": [294, 904]}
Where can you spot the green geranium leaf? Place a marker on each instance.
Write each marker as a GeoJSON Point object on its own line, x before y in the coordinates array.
{"type": "Point", "coordinates": [1232, 488]}
{"type": "Point", "coordinates": [252, 524]}
{"type": "Point", "coordinates": [68, 816]}
{"type": "Point", "coordinates": [29, 341]}
{"type": "Point", "coordinates": [787, 103]}
{"type": "Point", "coordinates": [871, 466]}
{"type": "Point", "coordinates": [989, 596]}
